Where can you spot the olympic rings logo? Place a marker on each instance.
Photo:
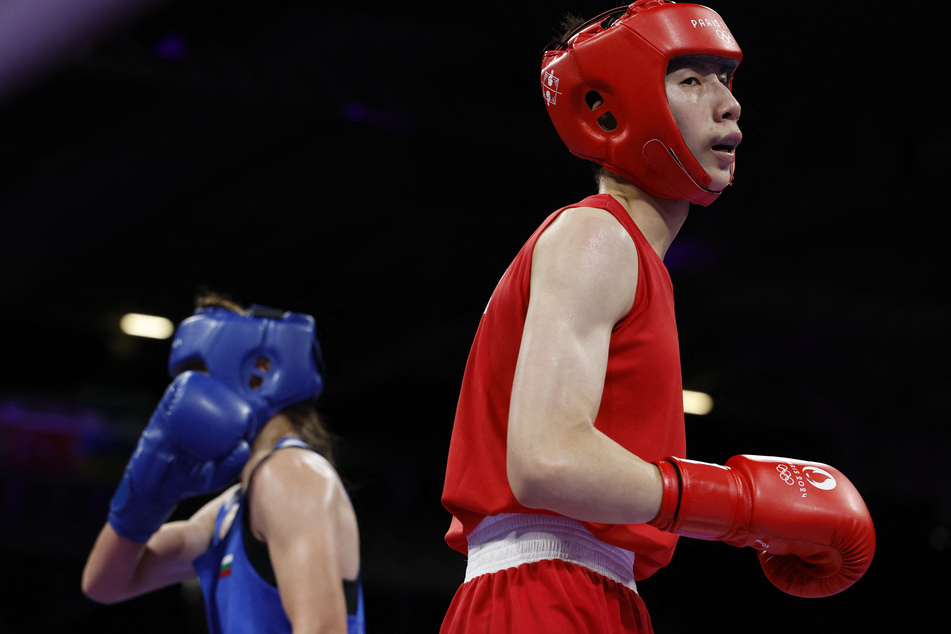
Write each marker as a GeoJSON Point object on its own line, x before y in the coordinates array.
{"type": "Point", "coordinates": [725, 36]}
{"type": "Point", "coordinates": [785, 474]}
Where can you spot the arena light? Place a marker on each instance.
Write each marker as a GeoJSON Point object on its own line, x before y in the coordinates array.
{"type": "Point", "coordinates": [36, 37]}
{"type": "Point", "coordinates": [149, 326]}
{"type": "Point", "coordinates": [697, 403]}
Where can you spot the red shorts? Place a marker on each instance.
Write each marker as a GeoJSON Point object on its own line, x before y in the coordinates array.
{"type": "Point", "coordinates": [546, 597]}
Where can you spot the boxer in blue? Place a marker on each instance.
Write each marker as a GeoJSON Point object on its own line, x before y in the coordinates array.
{"type": "Point", "coordinates": [277, 551]}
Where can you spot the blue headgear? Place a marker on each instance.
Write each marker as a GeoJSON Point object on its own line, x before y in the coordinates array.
{"type": "Point", "coordinates": [269, 357]}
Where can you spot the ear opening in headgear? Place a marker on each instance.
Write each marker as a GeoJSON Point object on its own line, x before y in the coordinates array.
{"type": "Point", "coordinates": [261, 367]}
{"type": "Point", "coordinates": [607, 121]}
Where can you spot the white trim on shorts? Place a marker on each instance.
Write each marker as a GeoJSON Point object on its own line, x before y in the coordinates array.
{"type": "Point", "coordinates": [509, 540]}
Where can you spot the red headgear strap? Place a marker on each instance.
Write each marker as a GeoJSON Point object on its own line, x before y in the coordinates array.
{"type": "Point", "coordinates": [624, 62]}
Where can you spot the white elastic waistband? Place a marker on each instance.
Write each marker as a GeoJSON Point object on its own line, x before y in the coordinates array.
{"type": "Point", "coordinates": [509, 540]}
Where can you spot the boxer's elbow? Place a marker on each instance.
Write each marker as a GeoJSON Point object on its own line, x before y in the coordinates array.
{"type": "Point", "coordinates": [538, 476]}
{"type": "Point", "coordinates": [98, 591]}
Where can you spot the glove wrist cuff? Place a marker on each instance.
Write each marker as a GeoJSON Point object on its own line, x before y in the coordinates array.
{"type": "Point", "coordinates": [712, 500]}
{"type": "Point", "coordinates": [134, 515]}
{"type": "Point", "coordinates": [670, 502]}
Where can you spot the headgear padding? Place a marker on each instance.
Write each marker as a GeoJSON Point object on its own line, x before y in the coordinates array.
{"type": "Point", "coordinates": [624, 61]}
{"type": "Point", "coordinates": [270, 358]}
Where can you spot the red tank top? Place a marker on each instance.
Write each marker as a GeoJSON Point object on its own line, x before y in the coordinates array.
{"type": "Point", "coordinates": [641, 406]}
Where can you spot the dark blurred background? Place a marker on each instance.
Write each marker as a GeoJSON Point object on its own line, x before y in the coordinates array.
{"type": "Point", "coordinates": [378, 164]}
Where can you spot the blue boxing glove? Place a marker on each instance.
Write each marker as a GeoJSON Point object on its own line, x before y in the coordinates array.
{"type": "Point", "coordinates": [194, 444]}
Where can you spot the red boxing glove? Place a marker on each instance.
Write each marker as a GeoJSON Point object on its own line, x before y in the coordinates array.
{"type": "Point", "coordinates": [813, 531]}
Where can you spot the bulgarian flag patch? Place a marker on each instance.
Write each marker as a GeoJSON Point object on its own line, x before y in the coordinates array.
{"type": "Point", "coordinates": [225, 569]}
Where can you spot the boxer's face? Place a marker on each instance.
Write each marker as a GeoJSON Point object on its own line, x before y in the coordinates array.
{"type": "Point", "coordinates": [706, 112]}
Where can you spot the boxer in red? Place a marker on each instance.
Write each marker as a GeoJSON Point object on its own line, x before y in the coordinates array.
{"type": "Point", "coordinates": [566, 478]}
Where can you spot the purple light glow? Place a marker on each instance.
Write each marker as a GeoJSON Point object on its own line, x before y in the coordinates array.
{"type": "Point", "coordinates": [357, 112]}
{"type": "Point", "coordinates": [36, 36]}
{"type": "Point", "coordinates": [171, 47]}
{"type": "Point", "coordinates": [354, 112]}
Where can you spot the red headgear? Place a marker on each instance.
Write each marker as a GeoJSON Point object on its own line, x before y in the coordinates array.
{"type": "Point", "coordinates": [622, 57]}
